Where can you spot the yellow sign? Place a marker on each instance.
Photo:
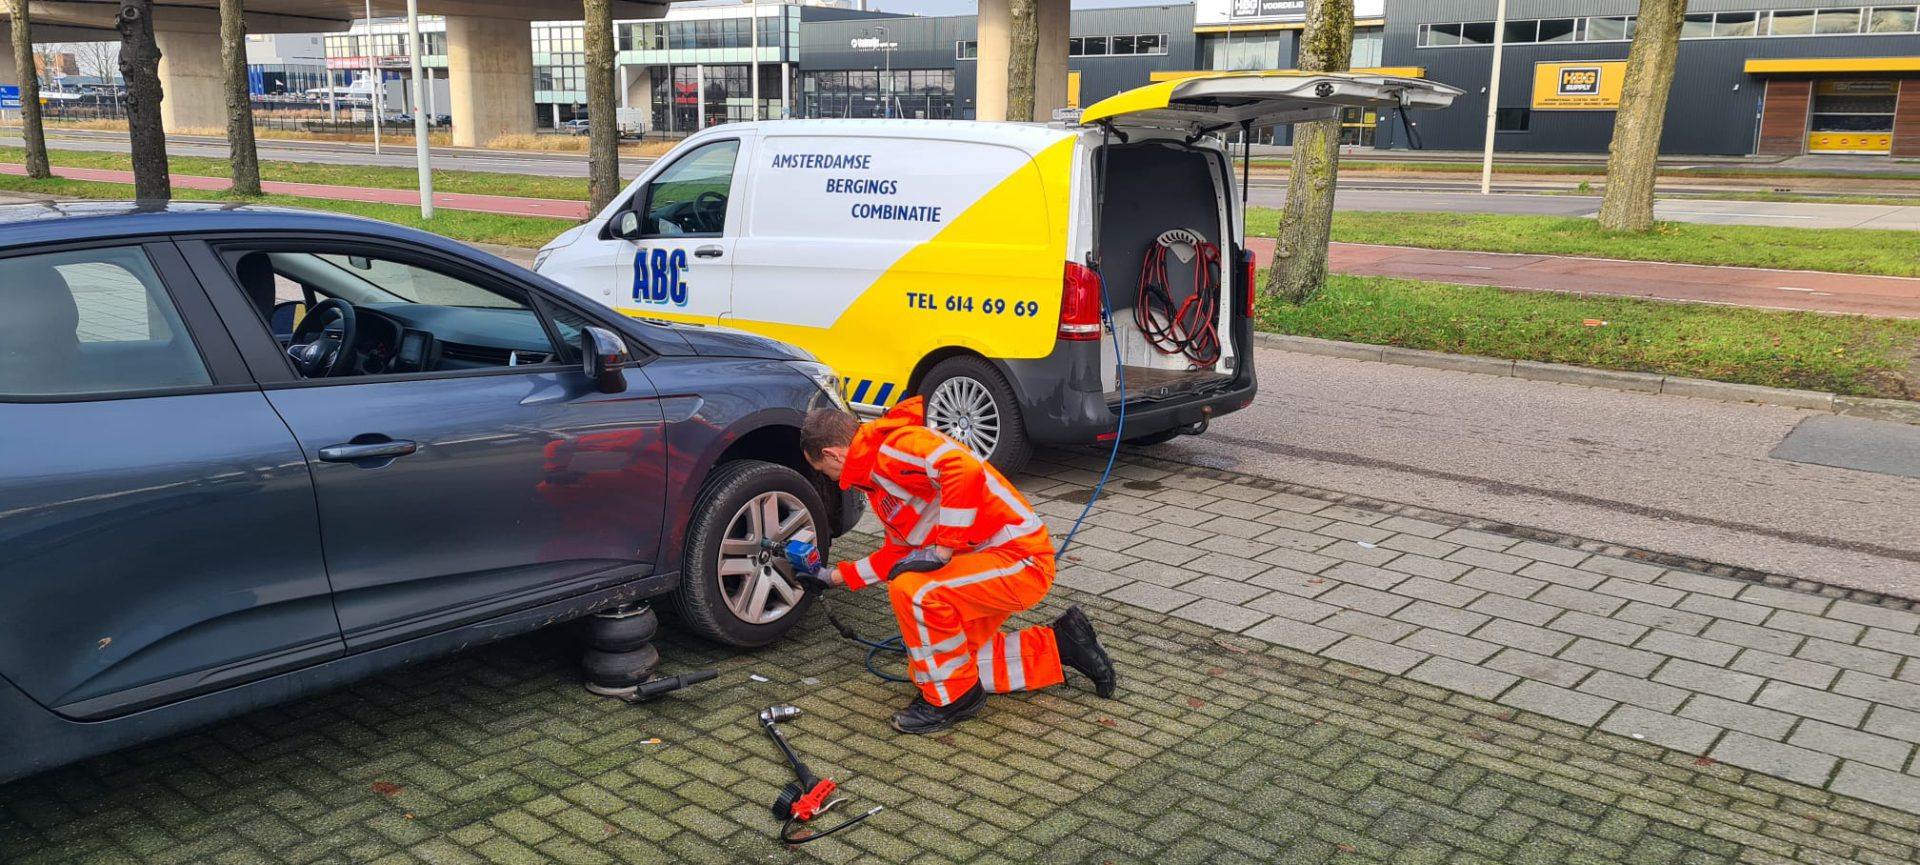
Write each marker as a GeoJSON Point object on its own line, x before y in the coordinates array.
{"type": "Point", "coordinates": [1591, 85]}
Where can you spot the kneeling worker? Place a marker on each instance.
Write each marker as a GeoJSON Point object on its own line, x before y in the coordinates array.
{"type": "Point", "coordinates": [963, 551]}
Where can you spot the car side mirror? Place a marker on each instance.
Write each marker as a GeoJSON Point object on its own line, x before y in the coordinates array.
{"type": "Point", "coordinates": [626, 226]}
{"type": "Point", "coordinates": [602, 353]}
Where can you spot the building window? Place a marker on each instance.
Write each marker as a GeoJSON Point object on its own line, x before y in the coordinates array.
{"type": "Point", "coordinates": [1558, 30]}
{"type": "Point", "coordinates": [1512, 119]}
{"type": "Point", "coordinates": [1367, 45]}
{"type": "Point", "coordinates": [1093, 46]}
{"type": "Point", "coordinates": [1897, 20]}
{"type": "Point", "coordinates": [966, 50]}
{"type": "Point", "coordinates": [1697, 26]}
{"type": "Point", "coordinates": [1253, 51]}
{"type": "Point", "coordinates": [1730, 25]}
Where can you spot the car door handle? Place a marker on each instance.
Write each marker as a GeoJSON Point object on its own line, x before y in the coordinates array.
{"type": "Point", "coordinates": [709, 252]}
{"type": "Point", "coordinates": [349, 453]}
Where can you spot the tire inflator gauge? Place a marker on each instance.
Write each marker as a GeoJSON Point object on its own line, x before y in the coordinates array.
{"type": "Point", "coordinates": [809, 796]}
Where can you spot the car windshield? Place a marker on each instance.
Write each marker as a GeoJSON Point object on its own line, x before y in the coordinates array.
{"type": "Point", "coordinates": [378, 281]}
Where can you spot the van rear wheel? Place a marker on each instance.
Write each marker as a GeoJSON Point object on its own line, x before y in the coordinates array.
{"type": "Point", "coordinates": [969, 400]}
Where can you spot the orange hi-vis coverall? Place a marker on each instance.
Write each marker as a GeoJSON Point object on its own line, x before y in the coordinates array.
{"type": "Point", "coordinates": [930, 491]}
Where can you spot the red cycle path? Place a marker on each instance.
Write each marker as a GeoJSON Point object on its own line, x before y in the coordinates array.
{"type": "Point", "coordinates": [1736, 286]}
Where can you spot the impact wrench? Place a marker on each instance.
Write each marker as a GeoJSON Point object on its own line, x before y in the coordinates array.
{"type": "Point", "coordinates": [801, 802]}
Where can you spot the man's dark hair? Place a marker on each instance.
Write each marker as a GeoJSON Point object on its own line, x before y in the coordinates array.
{"type": "Point", "coordinates": [826, 428]}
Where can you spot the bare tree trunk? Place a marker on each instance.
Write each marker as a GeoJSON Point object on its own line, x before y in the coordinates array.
{"type": "Point", "coordinates": [1023, 36]}
{"type": "Point", "coordinates": [603, 126]}
{"type": "Point", "coordinates": [140, 68]}
{"type": "Point", "coordinates": [1299, 268]}
{"type": "Point", "coordinates": [31, 130]}
{"type": "Point", "coordinates": [233, 58]}
{"type": "Point", "coordinates": [1627, 204]}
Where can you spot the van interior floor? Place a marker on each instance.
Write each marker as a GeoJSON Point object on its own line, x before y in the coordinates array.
{"type": "Point", "coordinates": [1150, 383]}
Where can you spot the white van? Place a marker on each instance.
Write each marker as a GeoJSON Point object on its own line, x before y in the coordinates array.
{"type": "Point", "coordinates": [970, 263]}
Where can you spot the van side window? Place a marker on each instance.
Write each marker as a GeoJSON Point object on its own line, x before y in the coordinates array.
{"type": "Point", "coordinates": [690, 197]}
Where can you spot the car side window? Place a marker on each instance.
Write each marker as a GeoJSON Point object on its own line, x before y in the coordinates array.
{"type": "Point", "coordinates": [690, 196]}
{"type": "Point", "coordinates": [92, 321]}
{"type": "Point", "coordinates": [374, 315]}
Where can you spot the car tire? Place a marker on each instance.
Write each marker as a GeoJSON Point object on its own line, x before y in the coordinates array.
{"type": "Point", "coordinates": [620, 669]}
{"type": "Point", "coordinates": [712, 593]}
{"type": "Point", "coordinates": [622, 630]}
{"type": "Point", "coordinates": [969, 400]}
{"type": "Point", "coordinates": [1151, 439]}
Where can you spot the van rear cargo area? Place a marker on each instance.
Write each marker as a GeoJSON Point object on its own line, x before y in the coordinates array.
{"type": "Point", "coordinates": [1170, 299]}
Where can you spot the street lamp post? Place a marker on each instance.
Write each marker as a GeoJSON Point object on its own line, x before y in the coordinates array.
{"type": "Point", "coordinates": [886, 93]}
{"type": "Point", "coordinates": [373, 80]}
{"type": "Point", "coordinates": [420, 150]}
{"type": "Point", "coordinates": [1493, 97]}
{"type": "Point", "coordinates": [753, 41]}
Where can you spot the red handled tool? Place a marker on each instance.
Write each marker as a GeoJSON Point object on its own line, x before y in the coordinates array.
{"type": "Point", "coordinates": [801, 802]}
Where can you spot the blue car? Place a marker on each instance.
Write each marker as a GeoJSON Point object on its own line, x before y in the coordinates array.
{"type": "Point", "coordinates": [250, 453]}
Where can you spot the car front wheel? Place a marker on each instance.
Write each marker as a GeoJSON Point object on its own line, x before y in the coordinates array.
{"type": "Point", "coordinates": [737, 586]}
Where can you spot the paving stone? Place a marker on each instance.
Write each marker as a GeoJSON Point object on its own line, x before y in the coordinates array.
{"type": "Point", "coordinates": [1106, 538]}
{"type": "Point", "coordinates": [1815, 626]}
{"type": "Point", "coordinates": [1366, 536]}
{"type": "Point", "coordinates": [1366, 600]}
{"type": "Point", "coordinates": [1214, 614]}
{"type": "Point", "coordinates": [1722, 608]}
{"type": "Point", "coordinates": [1715, 680]}
{"type": "Point", "coordinates": [1297, 521]}
{"type": "Point", "coordinates": [1688, 581]}
{"type": "Point", "coordinates": [1483, 558]}
{"type": "Point", "coordinates": [1661, 729]}
{"type": "Point", "coordinates": [1597, 627]}
{"type": "Point", "coordinates": [1412, 526]}
{"type": "Point", "coordinates": [1234, 527]}
{"type": "Point", "coordinates": [1764, 639]}
{"type": "Point", "coordinates": [1295, 583]}
{"type": "Point", "coordinates": [1235, 547]}
{"type": "Point", "coordinates": [1774, 758]}
{"type": "Point", "coordinates": [1294, 635]}
{"type": "Point", "coordinates": [1663, 619]}
{"type": "Point", "coordinates": [1786, 669]}
{"type": "Point", "coordinates": [1424, 566]}
{"type": "Point", "coordinates": [1164, 552]}
{"type": "Point", "coordinates": [1765, 723]}
{"type": "Point", "coordinates": [1504, 607]}
{"type": "Point", "coordinates": [1365, 575]}
{"type": "Point", "coordinates": [1905, 695]}
{"type": "Point", "coordinates": [1541, 668]}
{"type": "Point", "coordinates": [1407, 543]}
{"type": "Point", "coordinates": [1505, 584]}
{"type": "Point", "coordinates": [1785, 600]}
{"type": "Point", "coordinates": [1164, 575]}
{"type": "Point", "coordinates": [1437, 642]}
{"type": "Point", "coordinates": [1892, 641]}
{"type": "Point", "coordinates": [1178, 515]}
{"type": "Point", "coordinates": [1659, 596]}
{"type": "Point", "coordinates": [1479, 539]}
{"type": "Point", "coordinates": [1227, 567]}
{"type": "Point", "coordinates": [1638, 692]}
{"type": "Point", "coordinates": [1576, 599]}
{"type": "Point", "coordinates": [1235, 506]}
{"type": "Point", "coordinates": [1809, 703]}
{"type": "Point", "coordinates": [1607, 656]}
{"type": "Point", "coordinates": [1432, 615]}
{"type": "Point", "coordinates": [1367, 625]}
{"type": "Point", "coordinates": [1292, 607]}
{"type": "Point", "coordinates": [1626, 570]}
{"type": "Point", "coordinates": [1156, 598]}
{"type": "Point", "coordinates": [1098, 559]}
{"type": "Point", "coordinates": [1295, 540]}
{"type": "Point", "coordinates": [1872, 784]}
{"type": "Point", "coordinates": [1228, 591]}
{"type": "Point", "coordinates": [1181, 536]}
{"type": "Point", "coordinates": [1893, 723]}
{"type": "Point", "coordinates": [1291, 502]}
{"type": "Point", "coordinates": [1088, 580]}
{"type": "Point", "coordinates": [1523, 636]}
{"type": "Point", "coordinates": [1360, 516]}
{"type": "Point", "coordinates": [1850, 744]}
{"type": "Point", "coordinates": [1879, 617]}
{"type": "Point", "coordinates": [1359, 551]}
{"type": "Point", "coordinates": [1558, 703]}
{"type": "Point", "coordinates": [1436, 591]}
{"type": "Point", "coordinates": [1563, 575]}
{"type": "Point", "coordinates": [1374, 655]}
{"type": "Point", "coordinates": [1691, 648]}
{"type": "Point", "coordinates": [1463, 677]}
{"type": "Point", "coordinates": [1548, 553]}
{"type": "Point", "coordinates": [1294, 560]}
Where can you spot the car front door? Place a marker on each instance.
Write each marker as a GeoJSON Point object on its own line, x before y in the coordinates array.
{"type": "Point", "coordinates": [157, 516]}
{"type": "Point", "coordinates": [676, 261]}
{"type": "Point", "coordinates": [464, 464]}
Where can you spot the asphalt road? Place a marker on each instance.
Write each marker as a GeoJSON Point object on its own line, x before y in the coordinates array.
{"type": "Point", "coordinates": [1688, 477]}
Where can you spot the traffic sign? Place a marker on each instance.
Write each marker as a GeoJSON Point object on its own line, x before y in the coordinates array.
{"type": "Point", "coordinates": [9, 97]}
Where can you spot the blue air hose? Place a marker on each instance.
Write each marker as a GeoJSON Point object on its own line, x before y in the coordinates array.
{"type": "Point", "coordinates": [1119, 431]}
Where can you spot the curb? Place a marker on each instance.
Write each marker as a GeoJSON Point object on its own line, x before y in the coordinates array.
{"type": "Point", "coordinates": [1899, 411]}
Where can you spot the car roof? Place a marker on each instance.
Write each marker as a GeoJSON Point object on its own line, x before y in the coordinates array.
{"type": "Point", "coordinates": [48, 222]}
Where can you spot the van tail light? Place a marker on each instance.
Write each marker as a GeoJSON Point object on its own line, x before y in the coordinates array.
{"type": "Point", "coordinates": [1250, 291]}
{"type": "Point", "coordinates": [1080, 304]}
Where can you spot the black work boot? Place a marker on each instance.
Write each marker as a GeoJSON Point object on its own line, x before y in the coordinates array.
{"type": "Point", "coordinates": [1081, 650]}
{"type": "Point", "coordinates": [921, 717]}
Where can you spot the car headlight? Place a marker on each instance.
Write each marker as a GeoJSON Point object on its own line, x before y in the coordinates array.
{"type": "Point", "coordinates": [540, 258]}
{"type": "Point", "coordinates": [827, 379]}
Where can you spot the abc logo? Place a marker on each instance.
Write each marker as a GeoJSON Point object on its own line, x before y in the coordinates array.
{"type": "Point", "coordinates": [1580, 81]}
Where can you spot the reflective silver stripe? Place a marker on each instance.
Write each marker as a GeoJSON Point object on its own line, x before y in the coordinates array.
{"type": "Point", "coordinates": [942, 671]}
{"type": "Point", "coordinates": [864, 567]}
{"type": "Point", "coordinates": [933, 459]}
{"type": "Point", "coordinates": [926, 653]}
{"type": "Point", "coordinates": [941, 689]}
{"type": "Point", "coordinates": [984, 658]}
{"type": "Point", "coordinates": [1009, 533]}
{"type": "Point", "coordinates": [903, 456]}
{"type": "Point", "coordinates": [918, 535]}
{"type": "Point", "coordinates": [899, 492]}
{"type": "Point", "coordinates": [1012, 501]}
{"type": "Point", "coordinates": [1016, 673]}
{"type": "Point", "coordinates": [958, 518]}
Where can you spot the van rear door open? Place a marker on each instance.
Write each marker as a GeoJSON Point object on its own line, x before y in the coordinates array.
{"type": "Point", "coordinates": [1213, 103]}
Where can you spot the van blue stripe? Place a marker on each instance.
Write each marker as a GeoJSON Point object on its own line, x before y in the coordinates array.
{"type": "Point", "coordinates": [860, 393]}
{"type": "Point", "coordinates": [885, 389]}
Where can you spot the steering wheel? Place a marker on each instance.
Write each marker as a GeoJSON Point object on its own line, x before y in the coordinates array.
{"type": "Point", "coordinates": [310, 349]}
{"type": "Point", "coordinates": [710, 210]}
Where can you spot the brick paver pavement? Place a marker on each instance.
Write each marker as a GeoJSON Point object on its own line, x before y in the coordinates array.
{"type": "Point", "coordinates": [1398, 739]}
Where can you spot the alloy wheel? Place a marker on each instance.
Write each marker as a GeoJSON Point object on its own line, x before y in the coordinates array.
{"type": "Point", "coordinates": [963, 408]}
{"type": "Point", "coordinates": [755, 577]}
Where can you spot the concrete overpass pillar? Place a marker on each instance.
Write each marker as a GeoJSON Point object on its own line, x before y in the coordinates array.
{"type": "Point", "coordinates": [193, 98]}
{"type": "Point", "coordinates": [1050, 66]}
{"type": "Point", "coordinates": [9, 73]}
{"type": "Point", "coordinates": [490, 79]}
{"type": "Point", "coordinates": [990, 82]}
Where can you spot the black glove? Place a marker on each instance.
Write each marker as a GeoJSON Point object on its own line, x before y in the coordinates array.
{"type": "Point", "coordinates": [812, 583]}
